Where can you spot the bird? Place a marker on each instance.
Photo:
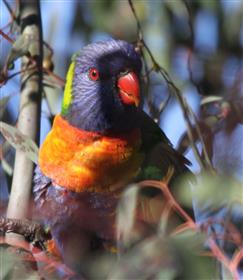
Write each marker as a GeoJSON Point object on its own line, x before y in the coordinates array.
{"type": "Point", "coordinates": [101, 141]}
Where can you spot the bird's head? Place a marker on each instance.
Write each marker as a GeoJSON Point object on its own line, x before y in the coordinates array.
{"type": "Point", "coordinates": [102, 91]}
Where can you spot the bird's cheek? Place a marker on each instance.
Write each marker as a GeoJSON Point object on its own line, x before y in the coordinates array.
{"type": "Point", "coordinates": [129, 89]}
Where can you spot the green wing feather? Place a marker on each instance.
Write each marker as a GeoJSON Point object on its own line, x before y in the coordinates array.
{"type": "Point", "coordinates": [160, 157]}
{"type": "Point", "coordinates": [159, 153]}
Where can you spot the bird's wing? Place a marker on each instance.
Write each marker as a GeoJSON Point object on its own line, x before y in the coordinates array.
{"type": "Point", "coordinates": [160, 159]}
{"type": "Point", "coordinates": [159, 152]}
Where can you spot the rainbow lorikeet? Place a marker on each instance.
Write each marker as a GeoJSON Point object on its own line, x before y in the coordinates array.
{"type": "Point", "coordinates": [101, 141]}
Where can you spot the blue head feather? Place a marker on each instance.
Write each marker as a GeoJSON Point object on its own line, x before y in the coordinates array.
{"type": "Point", "coordinates": [96, 105]}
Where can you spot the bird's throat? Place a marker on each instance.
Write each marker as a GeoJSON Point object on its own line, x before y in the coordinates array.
{"type": "Point", "coordinates": [81, 160]}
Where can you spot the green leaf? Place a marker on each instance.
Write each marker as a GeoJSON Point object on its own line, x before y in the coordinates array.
{"type": "Point", "coordinates": [7, 167]}
{"type": "Point", "coordinates": [126, 213]}
{"type": "Point", "coordinates": [25, 44]}
{"type": "Point", "coordinates": [19, 141]}
{"type": "Point", "coordinates": [150, 259]}
{"type": "Point", "coordinates": [213, 189]}
{"type": "Point", "coordinates": [188, 247]}
{"type": "Point", "coordinates": [14, 266]}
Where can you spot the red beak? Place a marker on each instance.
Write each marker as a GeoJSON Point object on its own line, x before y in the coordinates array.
{"type": "Point", "coordinates": [129, 90]}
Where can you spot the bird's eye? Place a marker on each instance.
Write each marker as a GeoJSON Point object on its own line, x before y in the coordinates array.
{"type": "Point", "coordinates": [93, 74]}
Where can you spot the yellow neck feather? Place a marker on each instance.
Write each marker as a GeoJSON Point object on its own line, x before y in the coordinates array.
{"type": "Point", "coordinates": [67, 98]}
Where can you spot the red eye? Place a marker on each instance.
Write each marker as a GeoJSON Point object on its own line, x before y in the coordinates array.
{"type": "Point", "coordinates": [93, 74]}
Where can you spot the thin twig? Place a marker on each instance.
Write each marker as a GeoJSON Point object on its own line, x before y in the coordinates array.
{"type": "Point", "coordinates": [10, 9]}
{"type": "Point", "coordinates": [5, 36]}
{"type": "Point", "coordinates": [60, 80]}
{"type": "Point", "coordinates": [185, 107]}
{"type": "Point", "coordinates": [22, 71]}
{"type": "Point", "coordinates": [237, 258]}
{"type": "Point", "coordinates": [216, 252]}
{"type": "Point", "coordinates": [41, 257]}
{"type": "Point", "coordinates": [164, 188]}
{"type": "Point", "coordinates": [139, 27]}
{"type": "Point", "coordinates": [6, 25]}
{"type": "Point", "coordinates": [189, 58]}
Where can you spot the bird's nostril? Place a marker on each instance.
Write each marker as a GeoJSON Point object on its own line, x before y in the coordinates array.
{"type": "Point", "coordinates": [124, 72]}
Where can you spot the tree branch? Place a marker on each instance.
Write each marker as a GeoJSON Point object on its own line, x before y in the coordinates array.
{"type": "Point", "coordinates": [31, 230]}
{"type": "Point", "coordinates": [29, 113]}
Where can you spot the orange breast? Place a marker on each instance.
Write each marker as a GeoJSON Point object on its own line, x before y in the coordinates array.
{"type": "Point", "coordinates": [79, 160]}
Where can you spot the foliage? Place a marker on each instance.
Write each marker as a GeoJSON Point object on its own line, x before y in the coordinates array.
{"type": "Point", "coordinates": [179, 61]}
{"type": "Point", "coordinates": [20, 141]}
